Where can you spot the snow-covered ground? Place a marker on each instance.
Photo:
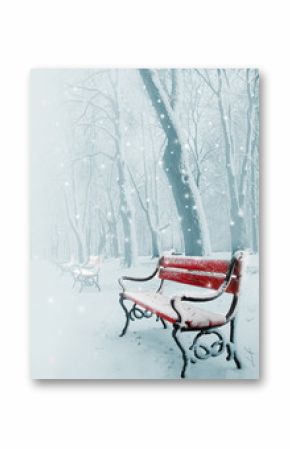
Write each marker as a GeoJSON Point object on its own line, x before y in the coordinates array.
{"type": "Point", "coordinates": [76, 335]}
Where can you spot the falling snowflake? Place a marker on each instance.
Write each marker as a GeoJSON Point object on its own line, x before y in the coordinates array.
{"type": "Point", "coordinates": [232, 223]}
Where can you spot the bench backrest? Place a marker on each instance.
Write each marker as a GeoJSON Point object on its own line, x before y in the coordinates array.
{"type": "Point", "coordinates": [94, 261]}
{"type": "Point", "coordinates": [200, 272]}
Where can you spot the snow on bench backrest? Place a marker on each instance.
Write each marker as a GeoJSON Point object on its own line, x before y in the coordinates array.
{"type": "Point", "coordinates": [94, 261]}
{"type": "Point", "coordinates": [207, 273]}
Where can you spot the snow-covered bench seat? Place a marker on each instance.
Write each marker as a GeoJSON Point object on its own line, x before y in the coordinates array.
{"type": "Point", "coordinates": [160, 305]}
{"type": "Point", "coordinates": [215, 278]}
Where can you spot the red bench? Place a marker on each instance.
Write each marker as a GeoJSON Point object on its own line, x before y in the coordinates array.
{"type": "Point", "coordinates": [219, 275]}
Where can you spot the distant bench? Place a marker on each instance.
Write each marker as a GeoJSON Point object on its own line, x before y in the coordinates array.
{"type": "Point", "coordinates": [86, 275]}
{"type": "Point", "coordinates": [219, 275]}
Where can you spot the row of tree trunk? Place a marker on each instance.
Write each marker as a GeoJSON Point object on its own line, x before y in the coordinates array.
{"type": "Point", "coordinates": [182, 183]}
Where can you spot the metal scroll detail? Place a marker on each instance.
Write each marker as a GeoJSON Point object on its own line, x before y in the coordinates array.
{"type": "Point", "coordinates": [138, 313]}
{"type": "Point", "coordinates": [202, 349]}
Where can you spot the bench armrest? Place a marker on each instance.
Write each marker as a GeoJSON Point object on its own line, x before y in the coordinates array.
{"type": "Point", "coordinates": [223, 287]}
{"type": "Point", "coordinates": [135, 279]}
{"type": "Point", "coordinates": [178, 299]}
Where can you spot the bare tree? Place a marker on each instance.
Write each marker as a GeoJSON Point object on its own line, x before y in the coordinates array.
{"type": "Point", "coordinates": [236, 184]}
{"type": "Point", "coordinates": [111, 128]}
{"type": "Point", "coordinates": [186, 195]}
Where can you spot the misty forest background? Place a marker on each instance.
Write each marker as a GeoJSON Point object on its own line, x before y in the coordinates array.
{"type": "Point", "coordinates": [128, 163]}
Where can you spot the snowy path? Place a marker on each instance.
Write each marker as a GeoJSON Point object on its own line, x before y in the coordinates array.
{"type": "Point", "coordinates": [75, 335]}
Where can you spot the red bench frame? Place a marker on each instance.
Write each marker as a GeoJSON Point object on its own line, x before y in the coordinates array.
{"type": "Point", "coordinates": [220, 275]}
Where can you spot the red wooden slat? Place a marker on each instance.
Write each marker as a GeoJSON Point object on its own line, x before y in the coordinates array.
{"type": "Point", "coordinates": [195, 263]}
{"type": "Point", "coordinates": [205, 281]}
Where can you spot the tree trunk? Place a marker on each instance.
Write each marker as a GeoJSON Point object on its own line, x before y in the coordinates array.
{"type": "Point", "coordinates": [155, 242]}
{"type": "Point", "coordinates": [253, 191]}
{"type": "Point", "coordinates": [76, 233]}
{"type": "Point", "coordinates": [126, 209]}
{"type": "Point", "coordinates": [184, 190]}
{"type": "Point", "coordinates": [237, 223]}
{"type": "Point", "coordinates": [112, 223]}
{"type": "Point", "coordinates": [130, 245]}
{"type": "Point", "coordinates": [88, 242]}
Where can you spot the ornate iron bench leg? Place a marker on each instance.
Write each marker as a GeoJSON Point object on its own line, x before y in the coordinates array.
{"type": "Point", "coordinates": [163, 322]}
{"type": "Point", "coordinates": [231, 349]}
{"type": "Point", "coordinates": [81, 286]}
{"type": "Point", "coordinates": [121, 300]}
{"type": "Point", "coordinates": [97, 284]}
{"type": "Point", "coordinates": [184, 356]}
{"type": "Point", "coordinates": [158, 318]}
